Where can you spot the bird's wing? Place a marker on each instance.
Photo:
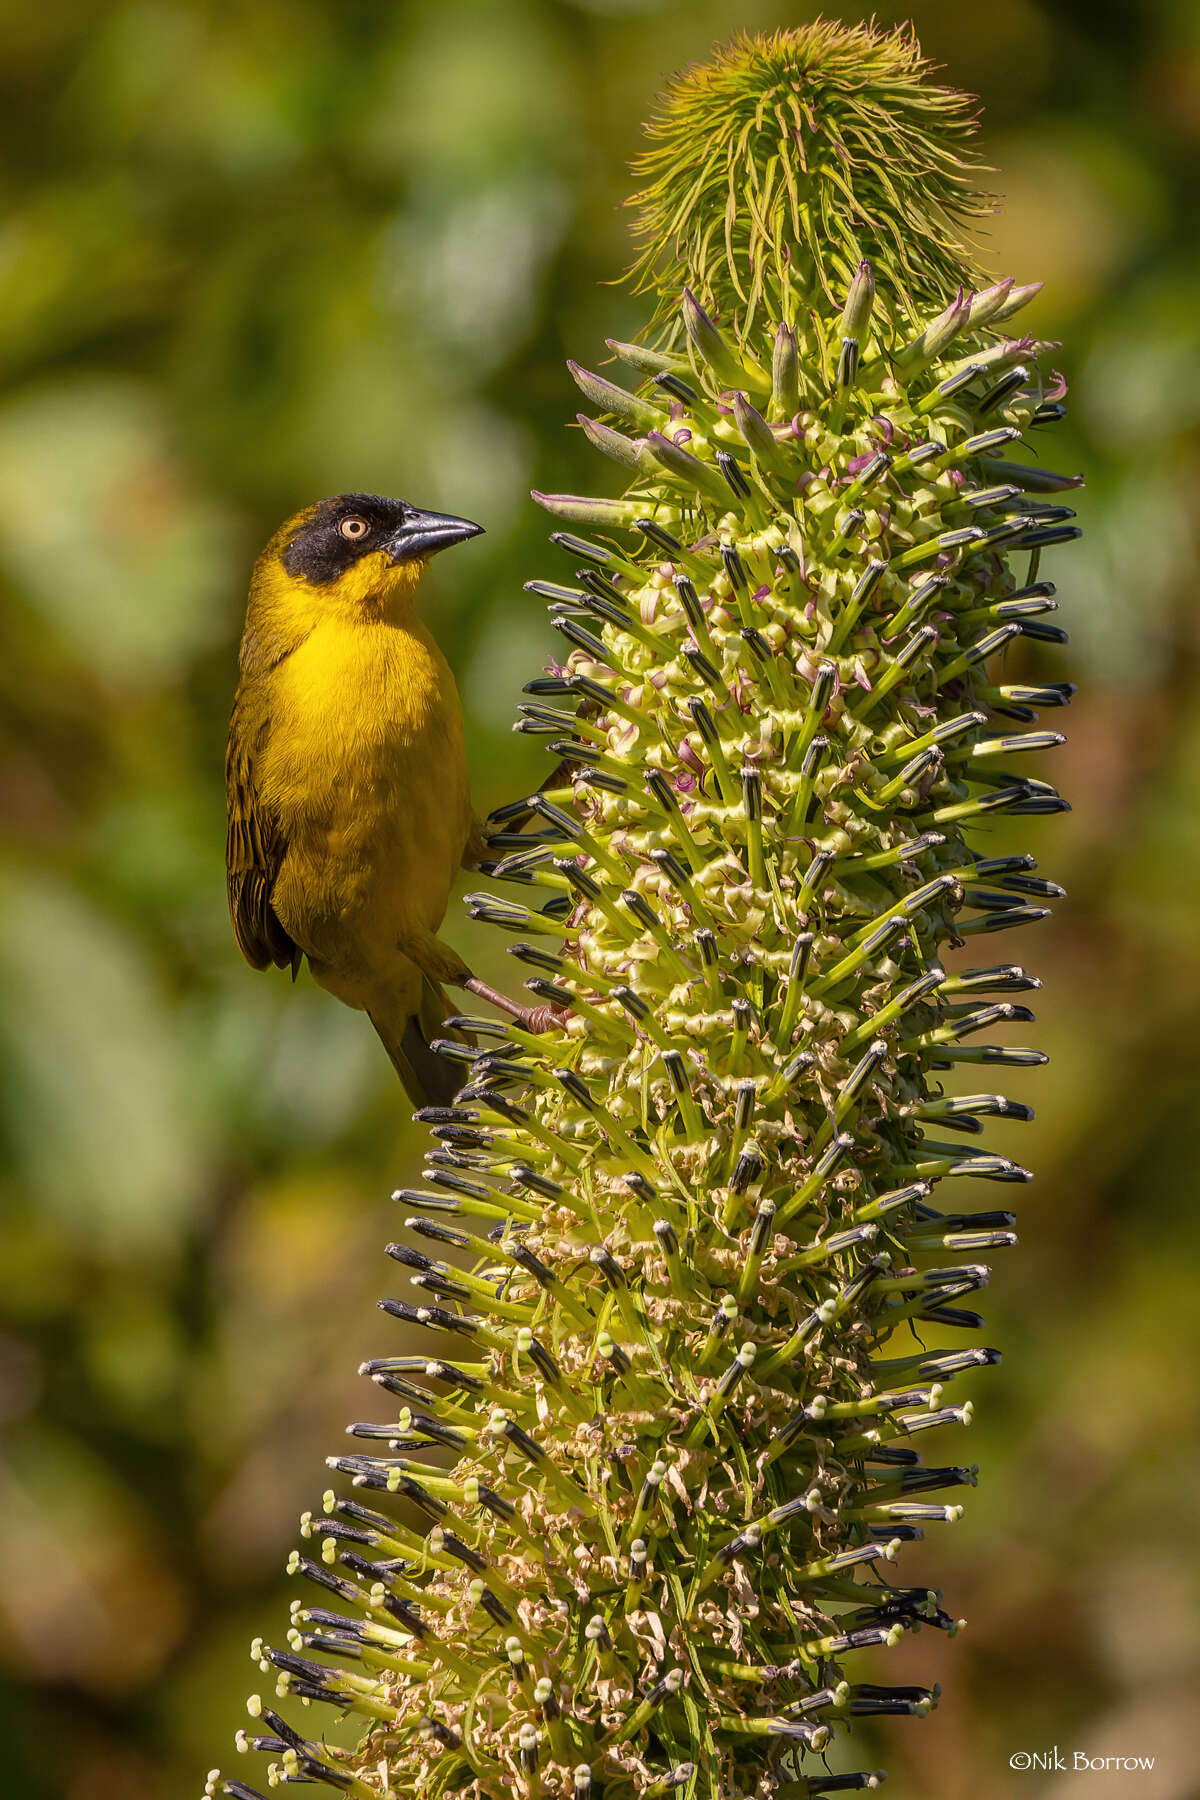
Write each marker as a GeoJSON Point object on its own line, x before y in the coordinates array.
{"type": "Point", "coordinates": [254, 850]}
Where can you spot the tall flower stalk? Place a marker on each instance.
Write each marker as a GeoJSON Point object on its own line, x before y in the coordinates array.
{"type": "Point", "coordinates": [692, 1285]}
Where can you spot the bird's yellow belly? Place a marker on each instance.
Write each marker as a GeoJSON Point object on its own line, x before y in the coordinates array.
{"type": "Point", "coordinates": [371, 788]}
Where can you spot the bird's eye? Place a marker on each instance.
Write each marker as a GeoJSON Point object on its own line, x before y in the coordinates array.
{"type": "Point", "coordinates": [354, 528]}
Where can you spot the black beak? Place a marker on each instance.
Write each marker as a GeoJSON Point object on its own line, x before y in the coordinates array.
{"type": "Point", "coordinates": [425, 533]}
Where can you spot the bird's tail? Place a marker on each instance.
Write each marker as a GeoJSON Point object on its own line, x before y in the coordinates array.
{"type": "Point", "coordinates": [429, 1078]}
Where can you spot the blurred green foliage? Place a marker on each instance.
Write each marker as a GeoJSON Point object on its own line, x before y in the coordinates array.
{"type": "Point", "coordinates": [250, 256]}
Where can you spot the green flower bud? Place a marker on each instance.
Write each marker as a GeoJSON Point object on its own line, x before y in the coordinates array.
{"type": "Point", "coordinates": [856, 314]}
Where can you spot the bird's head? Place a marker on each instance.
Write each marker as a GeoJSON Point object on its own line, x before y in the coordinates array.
{"type": "Point", "coordinates": [355, 555]}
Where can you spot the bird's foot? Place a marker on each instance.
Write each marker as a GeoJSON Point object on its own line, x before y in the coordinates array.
{"type": "Point", "coordinates": [534, 1019]}
{"type": "Point", "coordinates": [537, 1019]}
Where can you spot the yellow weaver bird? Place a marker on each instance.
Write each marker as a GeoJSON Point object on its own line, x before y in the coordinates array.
{"type": "Point", "coordinates": [346, 776]}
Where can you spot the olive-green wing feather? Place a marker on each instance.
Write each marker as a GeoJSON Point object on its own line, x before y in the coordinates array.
{"type": "Point", "coordinates": [254, 850]}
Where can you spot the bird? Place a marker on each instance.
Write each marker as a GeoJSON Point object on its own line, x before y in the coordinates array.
{"type": "Point", "coordinates": [349, 808]}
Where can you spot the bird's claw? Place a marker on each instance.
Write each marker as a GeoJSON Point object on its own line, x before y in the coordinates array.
{"type": "Point", "coordinates": [534, 1019]}
{"type": "Point", "coordinates": [537, 1019]}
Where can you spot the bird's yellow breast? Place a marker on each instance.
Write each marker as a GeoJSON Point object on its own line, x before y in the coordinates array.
{"type": "Point", "coordinates": [359, 702]}
{"type": "Point", "coordinates": [364, 765]}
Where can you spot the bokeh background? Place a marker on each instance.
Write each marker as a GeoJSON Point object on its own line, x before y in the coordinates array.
{"type": "Point", "coordinates": [251, 255]}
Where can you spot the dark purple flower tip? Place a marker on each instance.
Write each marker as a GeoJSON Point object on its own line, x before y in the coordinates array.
{"type": "Point", "coordinates": [858, 463]}
{"type": "Point", "coordinates": [886, 427]}
{"type": "Point", "coordinates": [682, 437]}
{"type": "Point", "coordinates": [957, 477]}
{"type": "Point", "coordinates": [759, 593]}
